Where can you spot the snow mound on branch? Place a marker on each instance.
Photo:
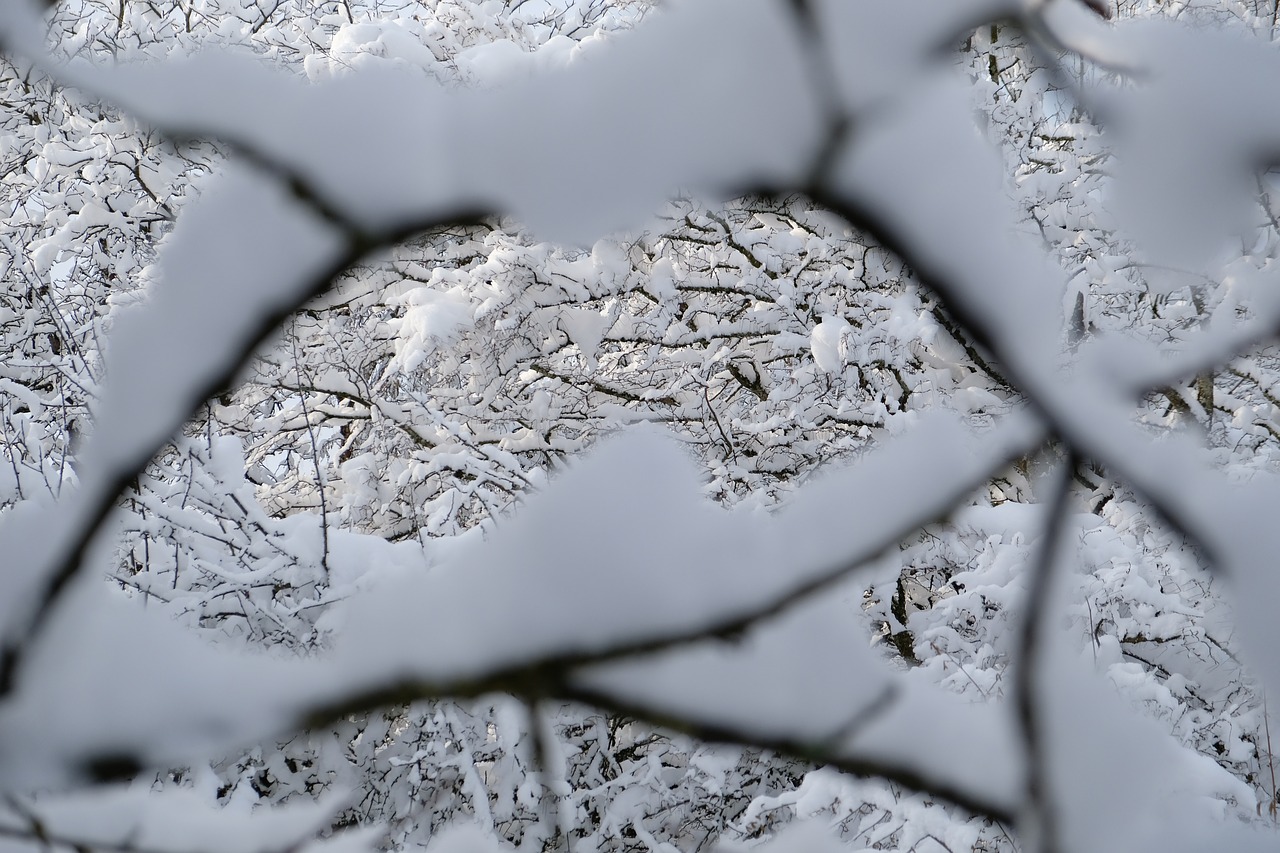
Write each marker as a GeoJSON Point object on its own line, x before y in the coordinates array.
{"type": "Point", "coordinates": [433, 318]}
{"type": "Point", "coordinates": [828, 344]}
{"type": "Point", "coordinates": [358, 45]}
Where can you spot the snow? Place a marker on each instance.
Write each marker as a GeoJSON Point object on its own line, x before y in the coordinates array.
{"type": "Point", "coordinates": [827, 343]}
{"type": "Point", "coordinates": [461, 838]}
{"type": "Point", "coordinates": [433, 317]}
{"type": "Point", "coordinates": [586, 164]}
{"type": "Point", "coordinates": [880, 48]}
{"type": "Point", "coordinates": [809, 677]}
{"type": "Point", "coordinates": [585, 328]}
{"type": "Point", "coordinates": [210, 301]}
{"type": "Point", "coordinates": [183, 821]}
{"type": "Point", "coordinates": [707, 566]}
{"type": "Point", "coordinates": [560, 144]}
{"type": "Point", "coordinates": [803, 837]}
{"type": "Point", "coordinates": [1121, 784]}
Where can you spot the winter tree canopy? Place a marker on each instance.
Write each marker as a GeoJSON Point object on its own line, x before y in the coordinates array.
{"type": "Point", "coordinates": [603, 425]}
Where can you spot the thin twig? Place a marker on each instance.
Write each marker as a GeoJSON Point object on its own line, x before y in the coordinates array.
{"type": "Point", "coordinates": [315, 460]}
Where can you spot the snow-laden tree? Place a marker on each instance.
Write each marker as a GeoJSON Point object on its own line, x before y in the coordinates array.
{"type": "Point", "coordinates": [443, 383]}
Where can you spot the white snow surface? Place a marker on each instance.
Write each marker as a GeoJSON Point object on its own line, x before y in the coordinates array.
{"type": "Point", "coordinates": [184, 821]}
{"type": "Point", "coordinates": [563, 150]}
{"type": "Point", "coordinates": [828, 345]}
{"type": "Point", "coordinates": [108, 679]}
{"type": "Point", "coordinates": [549, 582]}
